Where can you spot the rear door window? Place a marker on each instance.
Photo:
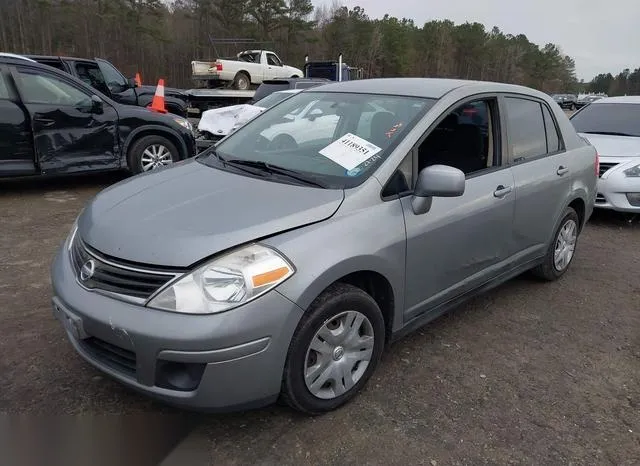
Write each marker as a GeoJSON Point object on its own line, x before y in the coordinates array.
{"type": "Point", "coordinates": [527, 134]}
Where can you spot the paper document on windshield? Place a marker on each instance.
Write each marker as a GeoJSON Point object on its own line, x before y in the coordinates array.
{"type": "Point", "coordinates": [350, 151]}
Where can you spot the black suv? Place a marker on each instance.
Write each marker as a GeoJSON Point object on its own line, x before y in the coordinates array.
{"type": "Point", "coordinates": [566, 101]}
{"type": "Point", "coordinates": [53, 123]}
{"type": "Point", "coordinates": [103, 76]}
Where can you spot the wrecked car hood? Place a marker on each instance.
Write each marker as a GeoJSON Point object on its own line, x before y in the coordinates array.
{"type": "Point", "coordinates": [222, 121]}
{"type": "Point", "coordinates": [181, 215]}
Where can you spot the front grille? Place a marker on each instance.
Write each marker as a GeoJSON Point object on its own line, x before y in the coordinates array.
{"type": "Point", "coordinates": [604, 167]}
{"type": "Point", "coordinates": [112, 276]}
{"type": "Point", "coordinates": [113, 356]}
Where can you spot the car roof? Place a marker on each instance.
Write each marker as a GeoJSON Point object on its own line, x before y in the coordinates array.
{"type": "Point", "coordinates": [288, 91]}
{"type": "Point", "coordinates": [13, 55]}
{"type": "Point", "coordinates": [433, 88]}
{"type": "Point", "coordinates": [624, 99]}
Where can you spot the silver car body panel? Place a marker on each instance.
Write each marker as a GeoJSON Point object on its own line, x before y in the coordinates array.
{"type": "Point", "coordinates": [183, 215]}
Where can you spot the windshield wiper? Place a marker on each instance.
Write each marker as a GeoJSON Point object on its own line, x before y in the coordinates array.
{"type": "Point", "coordinates": [275, 170]}
{"type": "Point", "coordinates": [610, 133]}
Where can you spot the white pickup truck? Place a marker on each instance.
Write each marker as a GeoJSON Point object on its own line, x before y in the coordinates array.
{"type": "Point", "coordinates": [250, 67]}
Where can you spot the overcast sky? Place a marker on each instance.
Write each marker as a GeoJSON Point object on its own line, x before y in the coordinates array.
{"type": "Point", "coordinates": [601, 36]}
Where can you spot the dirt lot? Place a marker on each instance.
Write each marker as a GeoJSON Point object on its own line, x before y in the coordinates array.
{"type": "Point", "coordinates": [528, 374]}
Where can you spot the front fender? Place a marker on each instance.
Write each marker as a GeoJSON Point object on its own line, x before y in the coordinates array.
{"type": "Point", "coordinates": [350, 241]}
{"type": "Point", "coordinates": [153, 129]}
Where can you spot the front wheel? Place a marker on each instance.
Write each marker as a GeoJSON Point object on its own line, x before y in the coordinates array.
{"type": "Point", "coordinates": [151, 153]}
{"type": "Point", "coordinates": [562, 248]}
{"type": "Point", "coordinates": [334, 350]}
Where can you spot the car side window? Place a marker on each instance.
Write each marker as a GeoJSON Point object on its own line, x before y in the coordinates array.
{"type": "Point", "coordinates": [4, 91]}
{"type": "Point", "coordinates": [464, 139]}
{"type": "Point", "coordinates": [273, 60]}
{"type": "Point", "coordinates": [113, 78]}
{"type": "Point", "coordinates": [38, 87]}
{"type": "Point", "coordinates": [527, 134]}
{"type": "Point", "coordinates": [553, 138]}
{"type": "Point", "coordinates": [91, 75]}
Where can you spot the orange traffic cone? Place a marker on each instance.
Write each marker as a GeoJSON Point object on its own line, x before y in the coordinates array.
{"type": "Point", "coordinates": [138, 80]}
{"type": "Point", "coordinates": [157, 105]}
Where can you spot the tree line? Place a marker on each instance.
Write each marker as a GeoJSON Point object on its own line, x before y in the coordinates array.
{"type": "Point", "coordinates": [159, 38]}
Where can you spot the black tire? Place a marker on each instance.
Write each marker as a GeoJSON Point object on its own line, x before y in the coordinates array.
{"type": "Point", "coordinates": [137, 149]}
{"type": "Point", "coordinates": [241, 81]}
{"type": "Point", "coordinates": [332, 302]}
{"type": "Point", "coordinates": [547, 270]}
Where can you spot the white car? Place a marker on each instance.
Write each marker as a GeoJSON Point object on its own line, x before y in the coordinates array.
{"type": "Point", "coordinates": [612, 125]}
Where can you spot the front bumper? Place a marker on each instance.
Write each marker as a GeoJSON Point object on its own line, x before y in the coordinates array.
{"type": "Point", "coordinates": [227, 361]}
{"type": "Point", "coordinates": [612, 191]}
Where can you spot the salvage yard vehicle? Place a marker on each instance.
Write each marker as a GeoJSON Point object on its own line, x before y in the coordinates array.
{"type": "Point", "coordinates": [566, 101]}
{"type": "Point", "coordinates": [587, 99]}
{"type": "Point", "coordinates": [274, 85]}
{"type": "Point", "coordinates": [103, 76]}
{"type": "Point", "coordinates": [612, 125]}
{"type": "Point", "coordinates": [53, 123]}
{"type": "Point", "coordinates": [257, 273]}
{"type": "Point", "coordinates": [215, 124]}
{"type": "Point", "coordinates": [250, 67]}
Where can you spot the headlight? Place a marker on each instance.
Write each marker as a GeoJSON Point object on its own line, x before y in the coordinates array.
{"type": "Point", "coordinates": [73, 231]}
{"type": "Point", "coordinates": [633, 171]}
{"type": "Point", "coordinates": [225, 282]}
{"type": "Point", "coordinates": [184, 123]}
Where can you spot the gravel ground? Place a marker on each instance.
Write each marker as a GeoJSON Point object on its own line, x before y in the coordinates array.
{"type": "Point", "coordinates": [529, 373]}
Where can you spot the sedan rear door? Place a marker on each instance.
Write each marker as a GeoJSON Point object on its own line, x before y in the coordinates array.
{"type": "Point", "coordinates": [542, 172]}
{"type": "Point", "coordinates": [70, 133]}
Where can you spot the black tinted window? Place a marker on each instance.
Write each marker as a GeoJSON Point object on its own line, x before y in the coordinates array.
{"type": "Point", "coordinates": [604, 118]}
{"type": "Point", "coordinates": [91, 75]}
{"type": "Point", "coordinates": [553, 140]}
{"type": "Point", "coordinates": [4, 92]}
{"type": "Point", "coordinates": [527, 135]}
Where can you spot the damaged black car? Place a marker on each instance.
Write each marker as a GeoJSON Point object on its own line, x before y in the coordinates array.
{"type": "Point", "coordinates": [52, 123]}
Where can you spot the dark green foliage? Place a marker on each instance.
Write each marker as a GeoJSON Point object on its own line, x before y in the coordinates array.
{"type": "Point", "coordinates": [159, 38]}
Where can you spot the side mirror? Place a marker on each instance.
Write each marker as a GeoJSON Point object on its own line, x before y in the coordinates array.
{"type": "Point", "coordinates": [436, 181]}
{"type": "Point", "coordinates": [96, 104]}
{"type": "Point", "coordinates": [131, 83]}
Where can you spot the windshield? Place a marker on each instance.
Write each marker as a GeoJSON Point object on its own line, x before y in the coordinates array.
{"type": "Point", "coordinates": [616, 119]}
{"type": "Point", "coordinates": [335, 139]}
{"type": "Point", "coordinates": [272, 99]}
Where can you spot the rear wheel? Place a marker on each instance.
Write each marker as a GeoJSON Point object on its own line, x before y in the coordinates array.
{"type": "Point", "coordinates": [334, 350]}
{"type": "Point", "coordinates": [151, 153]}
{"type": "Point", "coordinates": [562, 249]}
{"type": "Point", "coordinates": [241, 81]}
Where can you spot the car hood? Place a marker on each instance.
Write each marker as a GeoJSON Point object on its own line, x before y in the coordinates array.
{"type": "Point", "coordinates": [614, 146]}
{"type": "Point", "coordinates": [178, 216]}
{"type": "Point", "coordinates": [221, 121]}
{"type": "Point", "coordinates": [168, 91]}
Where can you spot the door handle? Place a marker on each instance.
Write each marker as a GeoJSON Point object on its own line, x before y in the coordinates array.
{"type": "Point", "coordinates": [45, 121]}
{"type": "Point", "coordinates": [562, 170]}
{"type": "Point", "coordinates": [502, 191]}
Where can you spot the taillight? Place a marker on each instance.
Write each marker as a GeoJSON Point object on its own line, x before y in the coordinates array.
{"type": "Point", "coordinates": [597, 166]}
{"type": "Point", "coordinates": [218, 66]}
